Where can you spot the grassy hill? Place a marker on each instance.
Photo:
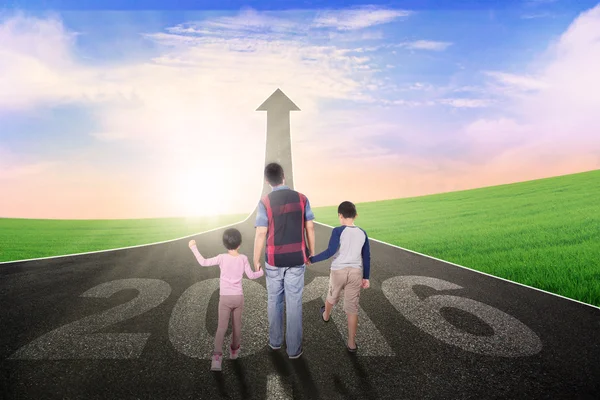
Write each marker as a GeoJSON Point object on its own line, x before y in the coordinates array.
{"type": "Point", "coordinates": [543, 233]}
{"type": "Point", "coordinates": [22, 239]}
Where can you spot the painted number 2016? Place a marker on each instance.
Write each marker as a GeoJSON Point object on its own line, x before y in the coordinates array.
{"type": "Point", "coordinates": [189, 335]}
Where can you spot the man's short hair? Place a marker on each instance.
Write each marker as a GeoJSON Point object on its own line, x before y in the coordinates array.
{"type": "Point", "coordinates": [232, 239]}
{"type": "Point", "coordinates": [274, 174]}
{"type": "Point", "coordinates": [347, 209]}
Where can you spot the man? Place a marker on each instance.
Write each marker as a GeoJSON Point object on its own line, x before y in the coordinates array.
{"type": "Point", "coordinates": [283, 218]}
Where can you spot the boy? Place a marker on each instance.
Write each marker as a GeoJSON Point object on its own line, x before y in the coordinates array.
{"type": "Point", "coordinates": [346, 271]}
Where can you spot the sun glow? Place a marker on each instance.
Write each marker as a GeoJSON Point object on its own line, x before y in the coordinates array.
{"type": "Point", "coordinates": [203, 194]}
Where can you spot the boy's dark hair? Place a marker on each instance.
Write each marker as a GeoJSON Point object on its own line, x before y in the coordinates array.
{"type": "Point", "coordinates": [347, 209]}
{"type": "Point", "coordinates": [274, 174]}
{"type": "Point", "coordinates": [232, 239]}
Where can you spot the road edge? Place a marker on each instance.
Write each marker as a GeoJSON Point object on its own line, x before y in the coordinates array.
{"type": "Point", "coordinates": [473, 270]}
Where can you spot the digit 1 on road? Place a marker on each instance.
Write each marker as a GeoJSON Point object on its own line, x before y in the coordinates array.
{"type": "Point", "coordinates": [511, 337]}
{"type": "Point", "coordinates": [375, 346]}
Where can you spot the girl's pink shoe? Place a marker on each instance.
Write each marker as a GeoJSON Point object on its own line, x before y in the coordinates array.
{"type": "Point", "coordinates": [233, 354]}
{"type": "Point", "coordinates": [216, 362]}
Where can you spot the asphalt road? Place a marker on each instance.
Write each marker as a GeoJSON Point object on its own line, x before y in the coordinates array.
{"type": "Point", "coordinates": [143, 330]}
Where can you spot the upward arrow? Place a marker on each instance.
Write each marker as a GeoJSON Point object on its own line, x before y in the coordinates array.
{"type": "Point", "coordinates": [279, 145]}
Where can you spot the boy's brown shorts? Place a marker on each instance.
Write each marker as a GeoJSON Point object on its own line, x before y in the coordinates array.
{"type": "Point", "coordinates": [350, 281]}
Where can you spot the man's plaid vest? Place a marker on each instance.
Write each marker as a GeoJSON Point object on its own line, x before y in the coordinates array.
{"type": "Point", "coordinates": [286, 244]}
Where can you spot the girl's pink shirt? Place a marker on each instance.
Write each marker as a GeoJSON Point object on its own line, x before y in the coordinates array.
{"type": "Point", "coordinates": [232, 271]}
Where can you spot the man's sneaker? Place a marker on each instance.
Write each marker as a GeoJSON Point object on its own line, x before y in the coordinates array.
{"type": "Point", "coordinates": [216, 362]}
{"type": "Point", "coordinates": [274, 347]}
{"type": "Point", "coordinates": [297, 355]}
{"type": "Point", "coordinates": [233, 354]}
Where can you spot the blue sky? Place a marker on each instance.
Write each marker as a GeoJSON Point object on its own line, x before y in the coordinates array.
{"type": "Point", "coordinates": [428, 5]}
{"type": "Point", "coordinates": [430, 95]}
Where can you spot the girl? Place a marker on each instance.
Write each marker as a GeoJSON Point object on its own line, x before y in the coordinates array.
{"type": "Point", "coordinates": [232, 266]}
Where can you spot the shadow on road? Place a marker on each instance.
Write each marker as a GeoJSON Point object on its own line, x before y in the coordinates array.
{"type": "Point", "coordinates": [220, 383]}
{"type": "Point", "coordinates": [366, 388]}
{"type": "Point", "coordinates": [341, 389]}
{"type": "Point", "coordinates": [280, 364]}
{"type": "Point", "coordinates": [307, 383]}
{"type": "Point", "coordinates": [363, 378]}
{"type": "Point", "coordinates": [239, 371]}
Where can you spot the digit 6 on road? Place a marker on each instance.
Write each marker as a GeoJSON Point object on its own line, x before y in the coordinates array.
{"type": "Point", "coordinates": [511, 337]}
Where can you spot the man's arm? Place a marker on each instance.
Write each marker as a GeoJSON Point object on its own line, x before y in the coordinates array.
{"type": "Point", "coordinates": [260, 237]}
{"type": "Point", "coordinates": [259, 243]}
{"type": "Point", "coordinates": [309, 227]}
{"type": "Point", "coordinates": [310, 233]}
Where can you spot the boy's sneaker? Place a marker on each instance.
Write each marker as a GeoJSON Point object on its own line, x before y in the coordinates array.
{"type": "Point", "coordinates": [216, 362]}
{"type": "Point", "coordinates": [233, 354]}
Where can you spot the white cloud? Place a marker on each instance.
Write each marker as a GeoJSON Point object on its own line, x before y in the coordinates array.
{"type": "Point", "coordinates": [539, 2]}
{"type": "Point", "coordinates": [556, 105]}
{"type": "Point", "coordinates": [452, 102]}
{"type": "Point", "coordinates": [426, 45]}
{"type": "Point", "coordinates": [249, 65]}
{"type": "Point", "coordinates": [537, 15]}
{"type": "Point", "coordinates": [39, 67]}
{"type": "Point", "coordinates": [357, 18]}
{"type": "Point", "coordinates": [466, 103]}
{"type": "Point", "coordinates": [250, 19]}
{"type": "Point", "coordinates": [189, 112]}
{"type": "Point", "coordinates": [421, 86]}
{"type": "Point", "coordinates": [517, 82]}
{"type": "Point", "coordinates": [566, 90]}
{"type": "Point", "coordinates": [24, 171]}
{"type": "Point", "coordinates": [247, 22]}
{"type": "Point", "coordinates": [501, 131]}
{"type": "Point", "coordinates": [17, 166]}
{"type": "Point", "coordinates": [297, 23]}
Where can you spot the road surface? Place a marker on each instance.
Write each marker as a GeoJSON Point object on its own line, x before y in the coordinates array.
{"type": "Point", "coordinates": [138, 323]}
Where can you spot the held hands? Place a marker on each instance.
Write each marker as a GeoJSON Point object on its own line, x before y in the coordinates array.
{"type": "Point", "coordinates": [257, 266]}
{"type": "Point", "coordinates": [192, 243]}
{"type": "Point", "coordinates": [365, 284]}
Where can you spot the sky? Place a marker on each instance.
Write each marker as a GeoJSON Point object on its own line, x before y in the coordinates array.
{"type": "Point", "coordinates": [112, 110]}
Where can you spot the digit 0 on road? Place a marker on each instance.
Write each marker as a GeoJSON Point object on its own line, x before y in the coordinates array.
{"type": "Point", "coordinates": [187, 327]}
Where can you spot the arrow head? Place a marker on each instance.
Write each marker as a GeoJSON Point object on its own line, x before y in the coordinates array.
{"type": "Point", "coordinates": [278, 101]}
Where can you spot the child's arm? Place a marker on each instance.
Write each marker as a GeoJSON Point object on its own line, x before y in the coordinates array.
{"type": "Point", "coordinates": [249, 273]}
{"type": "Point", "coordinates": [205, 262]}
{"type": "Point", "coordinates": [334, 245]}
{"type": "Point", "coordinates": [366, 258]}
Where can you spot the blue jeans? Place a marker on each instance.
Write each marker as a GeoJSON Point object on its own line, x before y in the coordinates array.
{"type": "Point", "coordinates": [288, 283]}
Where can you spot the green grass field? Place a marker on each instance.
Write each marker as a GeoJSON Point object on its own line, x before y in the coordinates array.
{"type": "Point", "coordinates": [543, 233]}
{"type": "Point", "coordinates": [30, 238]}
